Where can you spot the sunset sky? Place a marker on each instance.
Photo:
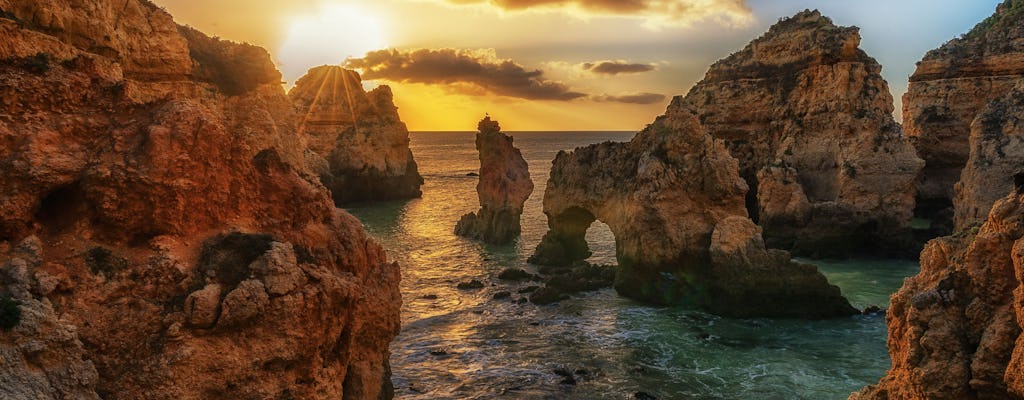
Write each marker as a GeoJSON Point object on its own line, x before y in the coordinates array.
{"type": "Point", "coordinates": [553, 64]}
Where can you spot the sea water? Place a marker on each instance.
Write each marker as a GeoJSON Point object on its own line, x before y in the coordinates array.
{"type": "Point", "coordinates": [458, 344]}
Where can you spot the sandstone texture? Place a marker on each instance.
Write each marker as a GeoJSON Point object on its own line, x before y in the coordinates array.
{"type": "Point", "coordinates": [809, 117]}
{"type": "Point", "coordinates": [674, 200]}
{"type": "Point", "coordinates": [951, 86]}
{"type": "Point", "coordinates": [996, 159]}
{"type": "Point", "coordinates": [954, 329]}
{"type": "Point", "coordinates": [503, 188]}
{"type": "Point", "coordinates": [356, 141]}
{"type": "Point", "coordinates": [159, 228]}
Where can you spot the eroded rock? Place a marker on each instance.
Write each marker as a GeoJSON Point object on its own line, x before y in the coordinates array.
{"type": "Point", "coordinates": [142, 166]}
{"type": "Point", "coordinates": [663, 194]}
{"type": "Point", "coordinates": [503, 188]}
{"type": "Point", "coordinates": [358, 133]}
{"type": "Point", "coordinates": [951, 86]}
{"type": "Point", "coordinates": [808, 115]}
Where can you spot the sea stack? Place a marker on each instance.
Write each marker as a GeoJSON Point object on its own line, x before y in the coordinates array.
{"type": "Point", "coordinates": [357, 143]}
{"type": "Point", "coordinates": [809, 117]}
{"type": "Point", "coordinates": [503, 188]}
{"type": "Point", "coordinates": [160, 234]}
{"type": "Point", "coordinates": [674, 200]}
{"type": "Point", "coordinates": [951, 86]}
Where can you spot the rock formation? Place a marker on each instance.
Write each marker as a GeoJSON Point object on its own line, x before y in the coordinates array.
{"type": "Point", "coordinates": [809, 116]}
{"type": "Point", "coordinates": [674, 200]}
{"type": "Point", "coordinates": [996, 158]}
{"type": "Point", "coordinates": [503, 188]}
{"type": "Point", "coordinates": [954, 329]}
{"type": "Point", "coordinates": [950, 88]}
{"type": "Point", "coordinates": [358, 145]}
{"type": "Point", "coordinates": [159, 229]}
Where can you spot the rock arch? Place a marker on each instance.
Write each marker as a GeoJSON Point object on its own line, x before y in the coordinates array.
{"type": "Point", "coordinates": [675, 202]}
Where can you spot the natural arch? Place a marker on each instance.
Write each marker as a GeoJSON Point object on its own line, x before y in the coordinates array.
{"type": "Point", "coordinates": [665, 196]}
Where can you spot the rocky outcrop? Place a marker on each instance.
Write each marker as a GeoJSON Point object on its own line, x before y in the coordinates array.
{"type": "Point", "coordinates": [809, 116]}
{"type": "Point", "coordinates": [950, 88]}
{"type": "Point", "coordinates": [159, 228]}
{"type": "Point", "coordinates": [996, 159]}
{"type": "Point", "coordinates": [954, 329]}
{"type": "Point", "coordinates": [357, 143]}
{"type": "Point", "coordinates": [503, 188]}
{"type": "Point", "coordinates": [674, 200]}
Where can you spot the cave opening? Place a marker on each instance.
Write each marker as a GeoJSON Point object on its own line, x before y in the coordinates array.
{"type": "Point", "coordinates": [60, 209]}
{"type": "Point", "coordinates": [601, 243]}
{"type": "Point", "coordinates": [752, 202]}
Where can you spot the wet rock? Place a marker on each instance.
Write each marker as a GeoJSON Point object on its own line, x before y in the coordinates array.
{"type": "Point", "coordinates": [470, 285]}
{"type": "Point", "coordinates": [643, 396]}
{"type": "Point", "coordinates": [873, 310]}
{"type": "Point", "coordinates": [546, 295]}
{"type": "Point", "coordinates": [503, 188]}
{"type": "Point", "coordinates": [528, 289]}
{"type": "Point", "coordinates": [514, 274]}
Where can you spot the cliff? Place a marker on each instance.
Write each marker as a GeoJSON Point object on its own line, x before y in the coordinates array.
{"type": "Point", "coordinates": [160, 235]}
{"type": "Point", "coordinates": [996, 158]}
{"type": "Point", "coordinates": [359, 134]}
{"type": "Point", "coordinates": [954, 329]}
{"type": "Point", "coordinates": [503, 188]}
{"type": "Point", "coordinates": [674, 200]}
{"type": "Point", "coordinates": [808, 115]}
{"type": "Point", "coordinates": [950, 88]}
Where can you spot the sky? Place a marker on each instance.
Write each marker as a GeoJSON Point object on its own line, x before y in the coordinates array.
{"type": "Point", "coordinates": [553, 65]}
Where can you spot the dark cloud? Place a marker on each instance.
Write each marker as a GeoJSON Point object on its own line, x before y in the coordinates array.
{"type": "Point", "coordinates": [466, 71]}
{"type": "Point", "coordinates": [617, 67]}
{"type": "Point", "coordinates": [637, 98]}
{"type": "Point", "coordinates": [654, 12]}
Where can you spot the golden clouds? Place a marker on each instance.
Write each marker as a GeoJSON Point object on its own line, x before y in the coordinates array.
{"type": "Point", "coordinates": [654, 13]}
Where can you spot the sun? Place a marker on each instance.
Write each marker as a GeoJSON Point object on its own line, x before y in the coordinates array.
{"type": "Point", "coordinates": [329, 37]}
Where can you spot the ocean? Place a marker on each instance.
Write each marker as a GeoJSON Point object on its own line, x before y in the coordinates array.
{"type": "Point", "coordinates": [458, 344]}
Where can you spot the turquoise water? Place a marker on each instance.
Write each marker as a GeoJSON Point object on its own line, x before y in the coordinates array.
{"type": "Point", "coordinates": [465, 345]}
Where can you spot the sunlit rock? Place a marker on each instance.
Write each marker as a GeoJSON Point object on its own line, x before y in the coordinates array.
{"type": "Point", "coordinates": [503, 188]}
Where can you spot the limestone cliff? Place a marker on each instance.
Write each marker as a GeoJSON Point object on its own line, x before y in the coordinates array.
{"type": "Point", "coordinates": [159, 230]}
{"type": "Point", "coordinates": [954, 329]}
{"type": "Point", "coordinates": [503, 188]}
{"type": "Point", "coordinates": [996, 157]}
{"type": "Point", "coordinates": [358, 133]}
{"type": "Point", "coordinates": [809, 116]}
{"type": "Point", "coordinates": [674, 200]}
{"type": "Point", "coordinates": [950, 88]}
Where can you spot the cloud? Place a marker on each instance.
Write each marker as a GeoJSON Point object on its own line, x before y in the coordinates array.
{"type": "Point", "coordinates": [470, 72]}
{"type": "Point", "coordinates": [636, 98]}
{"type": "Point", "coordinates": [616, 67]}
{"type": "Point", "coordinates": [654, 13]}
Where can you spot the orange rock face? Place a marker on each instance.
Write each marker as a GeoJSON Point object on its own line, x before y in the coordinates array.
{"type": "Point", "coordinates": [951, 86]}
{"type": "Point", "coordinates": [954, 330]}
{"type": "Point", "coordinates": [158, 198]}
{"type": "Point", "coordinates": [674, 200]}
{"type": "Point", "coordinates": [359, 146]}
{"type": "Point", "coordinates": [503, 188]}
{"type": "Point", "coordinates": [808, 115]}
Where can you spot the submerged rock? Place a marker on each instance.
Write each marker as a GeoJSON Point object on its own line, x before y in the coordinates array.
{"type": "Point", "coordinates": [503, 188]}
{"type": "Point", "coordinates": [809, 117]}
{"type": "Point", "coordinates": [153, 192]}
{"type": "Point", "coordinates": [663, 194]}
{"type": "Point", "coordinates": [356, 140]}
{"type": "Point", "coordinates": [951, 86]}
